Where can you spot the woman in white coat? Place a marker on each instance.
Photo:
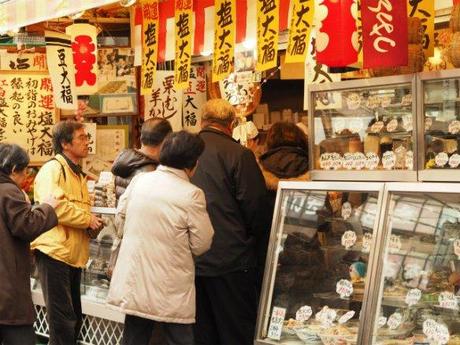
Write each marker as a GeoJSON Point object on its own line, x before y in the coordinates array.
{"type": "Point", "coordinates": [166, 225]}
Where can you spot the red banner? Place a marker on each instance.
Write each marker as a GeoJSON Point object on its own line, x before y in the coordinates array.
{"type": "Point", "coordinates": [337, 39]}
{"type": "Point", "coordinates": [384, 33]}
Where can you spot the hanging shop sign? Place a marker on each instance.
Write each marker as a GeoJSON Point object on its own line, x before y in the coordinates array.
{"type": "Point", "coordinates": [27, 113]}
{"type": "Point", "coordinates": [299, 30]}
{"type": "Point", "coordinates": [184, 31]}
{"type": "Point", "coordinates": [150, 29]}
{"type": "Point", "coordinates": [384, 33]}
{"type": "Point", "coordinates": [337, 39]}
{"type": "Point", "coordinates": [224, 39]}
{"type": "Point", "coordinates": [61, 69]}
{"type": "Point", "coordinates": [165, 100]}
{"type": "Point", "coordinates": [22, 62]}
{"type": "Point", "coordinates": [84, 47]}
{"type": "Point", "coordinates": [424, 9]}
{"type": "Point", "coordinates": [194, 99]}
{"type": "Point", "coordinates": [267, 34]}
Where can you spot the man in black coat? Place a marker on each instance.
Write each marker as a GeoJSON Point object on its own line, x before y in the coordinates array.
{"type": "Point", "coordinates": [226, 286]}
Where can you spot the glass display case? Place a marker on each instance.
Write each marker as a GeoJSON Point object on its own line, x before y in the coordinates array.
{"type": "Point", "coordinates": [439, 129]}
{"type": "Point", "coordinates": [364, 129]}
{"type": "Point", "coordinates": [321, 248]}
{"type": "Point", "coordinates": [418, 274]}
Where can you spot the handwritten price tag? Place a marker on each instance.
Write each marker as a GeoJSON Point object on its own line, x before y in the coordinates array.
{"type": "Point", "coordinates": [377, 127]}
{"type": "Point", "coordinates": [388, 160]}
{"type": "Point", "coordinates": [448, 300]}
{"type": "Point", "coordinates": [454, 160]}
{"type": "Point", "coordinates": [347, 316]}
{"type": "Point", "coordinates": [349, 239]}
{"type": "Point", "coordinates": [413, 296]}
{"type": "Point", "coordinates": [348, 161]}
{"type": "Point", "coordinates": [392, 125]}
{"type": "Point", "coordinates": [346, 210]}
{"type": "Point", "coordinates": [276, 323]}
{"type": "Point", "coordinates": [382, 321]}
{"type": "Point", "coordinates": [359, 160]}
{"type": "Point", "coordinates": [394, 321]}
{"type": "Point", "coordinates": [326, 317]}
{"type": "Point", "coordinates": [304, 313]}
{"type": "Point", "coordinates": [367, 242]}
{"type": "Point", "coordinates": [344, 288]}
{"type": "Point", "coordinates": [372, 161]}
{"type": "Point", "coordinates": [407, 123]}
{"type": "Point", "coordinates": [394, 245]}
{"type": "Point", "coordinates": [337, 161]}
{"type": "Point", "coordinates": [441, 159]}
{"type": "Point", "coordinates": [325, 161]}
{"type": "Point", "coordinates": [454, 127]}
{"type": "Point", "coordinates": [409, 160]}
{"type": "Point", "coordinates": [436, 333]}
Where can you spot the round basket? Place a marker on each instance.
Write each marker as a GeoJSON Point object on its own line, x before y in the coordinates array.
{"type": "Point", "coordinates": [455, 18]}
{"type": "Point", "coordinates": [453, 52]}
{"type": "Point", "coordinates": [414, 30]}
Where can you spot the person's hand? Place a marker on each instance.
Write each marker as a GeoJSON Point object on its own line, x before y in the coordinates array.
{"type": "Point", "coordinates": [96, 223]}
{"type": "Point", "coordinates": [51, 200]}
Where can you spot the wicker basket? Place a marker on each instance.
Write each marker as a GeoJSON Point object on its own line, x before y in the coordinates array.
{"type": "Point", "coordinates": [455, 18]}
{"type": "Point", "coordinates": [414, 30]}
{"type": "Point", "coordinates": [453, 51]}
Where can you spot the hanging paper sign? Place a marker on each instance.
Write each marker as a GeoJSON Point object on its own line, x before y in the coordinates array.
{"type": "Point", "coordinates": [424, 9]}
{"type": "Point", "coordinates": [276, 323]}
{"type": "Point", "coordinates": [337, 39]}
{"type": "Point", "coordinates": [372, 160]}
{"type": "Point", "coordinates": [454, 160]}
{"type": "Point", "coordinates": [184, 30]}
{"type": "Point", "coordinates": [457, 248]}
{"type": "Point", "coordinates": [194, 99]}
{"type": "Point", "coordinates": [377, 127]}
{"type": "Point", "coordinates": [91, 131]}
{"type": "Point", "coordinates": [367, 242]}
{"type": "Point", "coordinates": [326, 317]}
{"type": "Point", "coordinates": [22, 62]}
{"type": "Point", "coordinates": [394, 245]}
{"type": "Point", "coordinates": [448, 300]}
{"type": "Point", "coordinates": [413, 296]}
{"type": "Point", "coordinates": [382, 321]}
{"type": "Point", "coordinates": [409, 160]}
{"type": "Point", "coordinates": [62, 73]}
{"type": "Point", "coordinates": [346, 213]}
{"type": "Point", "coordinates": [165, 101]}
{"type": "Point", "coordinates": [150, 28]}
{"type": "Point", "coordinates": [347, 316]}
{"type": "Point", "coordinates": [392, 125]}
{"type": "Point", "coordinates": [441, 159]}
{"type": "Point", "coordinates": [454, 127]}
{"type": "Point", "coordinates": [388, 160]}
{"type": "Point", "coordinates": [394, 321]}
{"type": "Point", "coordinates": [303, 314]}
{"type": "Point", "coordinates": [344, 288]}
{"type": "Point", "coordinates": [267, 34]}
{"type": "Point", "coordinates": [384, 33]}
{"type": "Point", "coordinates": [224, 39]}
{"type": "Point", "coordinates": [299, 30]}
{"type": "Point", "coordinates": [84, 47]}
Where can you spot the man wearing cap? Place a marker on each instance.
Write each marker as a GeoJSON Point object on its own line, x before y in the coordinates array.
{"type": "Point", "coordinates": [235, 192]}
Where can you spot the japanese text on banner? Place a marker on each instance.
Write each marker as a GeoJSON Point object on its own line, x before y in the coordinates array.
{"type": "Point", "coordinates": [267, 34]}
{"type": "Point", "coordinates": [424, 9]}
{"type": "Point", "coordinates": [384, 33]}
{"type": "Point", "coordinates": [194, 99]}
{"type": "Point", "coordinates": [184, 30]}
{"type": "Point", "coordinates": [149, 45]}
{"type": "Point", "coordinates": [224, 40]}
{"type": "Point", "coordinates": [22, 62]}
{"type": "Point", "coordinates": [299, 30]}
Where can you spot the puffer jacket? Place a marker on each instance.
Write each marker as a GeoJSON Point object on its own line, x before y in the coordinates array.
{"type": "Point", "coordinates": [20, 223]}
{"type": "Point", "coordinates": [166, 225]}
{"type": "Point", "coordinates": [69, 241]}
{"type": "Point", "coordinates": [129, 163]}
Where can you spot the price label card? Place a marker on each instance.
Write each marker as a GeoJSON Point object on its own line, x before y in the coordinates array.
{"type": "Point", "coordinates": [359, 160]}
{"type": "Point", "coordinates": [347, 316]}
{"type": "Point", "coordinates": [448, 300]}
{"type": "Point", "coordinates": [276, 323]}
{"type": "Point", "coordinates": [372, 160]}
{"type": "Point", "coordinates": [382, 321]}
{"type": "Point", "coordinates": [429, 326]}
{"type": "Point", "coordinates": [337, 161]}
{"type": "Point", "coordinates": [454, 127]}
{"type": "Point", "coordinates": [413, 296]}
{"type": "Point", "coordinates": [394, 245]}
{"type": "Point", "coordinates": [348, 161]}
{"type": "Point", "coordinates": [407, 123]}
{"type": "Point", "coordinates": [304, 313]}
{"type": "Point", "coordinates": [377, 127]}
{"type": "Point", "coordinates": [394, 321]}
{"type": "Point", "coordinates": [326, 317]}
{"type": "Point", "coordinates": [454, 160]}
{"type": "Point", "coordinates": [367, 242]}
{"type": "Point", "coordinates": [344, 288]}
{"type": "Point", "coordinates": [349, 239]}
{"type": "Point", "coordinates": [441, 159]}
{"type": "Point", "coordinates": [409, 160]}
{"type": "Point", "coordinates": [388, 160]}
{"type": "Point", "coordinates": [356, 126]}
{"type": "Point", "coordinates": [406, 100]}
{"type": "Point", "coordinates": [457, 247]}
{"type": "Point", "coordinates": [347, 210]}
{"type": "Point", "coordinates": [325, 161]}
{"type": "Point", "coordinates": [428, 123]}
{"type": "Point", "coordinates": [392, 125]}
{"type": "Point", "coordinates": [441, 334]}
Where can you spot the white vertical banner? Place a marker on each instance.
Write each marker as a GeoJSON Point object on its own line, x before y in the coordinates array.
{"type": "Point", "coordinates": [91, 130]}
{"type": "Point", "coordinates": [164, 101]}
{"type": "Point", "coordinates": [194, 99]}
{"type": "Point", "coordinates": [61, 69]}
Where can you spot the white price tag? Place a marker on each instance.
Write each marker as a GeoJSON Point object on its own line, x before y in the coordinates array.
{"type": "Point", "coordinates": [394, 321]}
{"type": "Point", "coordinates": [356, 126]}
{"type": "Point", "coordinates": [359, 160]}
{"type": "Point", "coordinates": [429, 326]}
{"type": "Point", "coordinates": [413, 296]}
{"type": "Point", "coordinates": [394, 245]}
{"type": "Point", "coordinates": [372, 161]}
{"type": "Point", "coordinates": [441, 159]}
{"type": "Point", "coordinates": [347, 316]}
{"type": "Point", "coordinates": [344, 288]}
{"type": "Point", "coordinates": [326, 316]}
{"type": "Point", "coordinates": [304, 313]}
{"type": "Point", "coordinates": [428, 123]}
{"type": "Point", "coordinates": [437, 333]}
{"type": "Point", "coordinates": [392, 125]}
{"type": "Point", "coordinates": [276, 323]}
{"type": "Point", "coordinates": [347, 211]}
{"type": "Point", "coordinates": [454, 127]}
{"type": "Point", "coordinates": [377, 127]}
{"type": "Point", "coordinates": [448, 300]}
{"type": "Point", "coordinates": [325, 161]}
{"type": "Point", "coordinates": [353, 101]}
{"type": "Point", "coordinates": [407, 123]}
{"type": "Point", "coordinates": [349, 239]}
{"type": "Point", "coordinates": [337, 161]}
{"type": "Point", "coordinates": [457, 247]}
{"type": "Point", "coordinates": [407, 99]}
{"type": "Point", "coordinates": [382, 321]}
{"type": "Point", "coordinates": [348, 161]}
{"type": "Point", "coordinates": [388, 160]}
{"type": "Point", "coordinates": [454, 160]}
{"type": "Point", "coordinates": [367, 242]}
{"type": "Point", "coordinates": [409, 160]}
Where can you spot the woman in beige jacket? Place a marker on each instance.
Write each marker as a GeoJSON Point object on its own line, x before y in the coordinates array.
{"type": "Point", "coordinates": [166, 225]}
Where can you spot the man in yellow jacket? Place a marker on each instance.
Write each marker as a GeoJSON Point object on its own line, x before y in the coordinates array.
{"type": "Point", "coordinates": [62, 252]}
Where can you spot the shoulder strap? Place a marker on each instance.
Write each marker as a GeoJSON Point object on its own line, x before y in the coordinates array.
{"type": "Point", "coordinates": [62, 167]}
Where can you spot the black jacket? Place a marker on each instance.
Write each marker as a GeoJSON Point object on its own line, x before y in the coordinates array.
{"type": "Point", "coordinates": [129, 163]}
{"type": "Point", "coordinates": [235, 193]}
{"type": "Point", "coordinates": [19, 225]}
